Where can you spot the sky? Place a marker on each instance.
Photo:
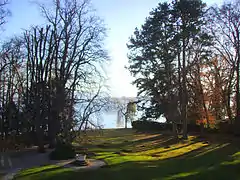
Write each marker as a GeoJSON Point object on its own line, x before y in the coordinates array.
{"type": "Point", "coordinates": [121, 18]}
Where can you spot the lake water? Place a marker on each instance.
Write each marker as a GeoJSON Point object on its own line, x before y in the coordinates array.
{"type": "Point", "coordinates": [109, 120]}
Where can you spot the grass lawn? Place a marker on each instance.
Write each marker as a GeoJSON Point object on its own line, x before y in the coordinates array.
{"type": "Point", "coordinates": [135, 156]}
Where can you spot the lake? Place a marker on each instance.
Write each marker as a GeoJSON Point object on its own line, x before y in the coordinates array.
{"type": "Point", "coordinates": [109, 120]}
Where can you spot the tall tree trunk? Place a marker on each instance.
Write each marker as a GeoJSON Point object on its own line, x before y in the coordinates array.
{"type": "Point", "coordinates": [238, 92]}
{"type": "Point", "coordinates": [53, 125]}
{"type": "Point", "coordinates": [237, 130]}
{"type": "Point", "coordinates": [126, 121]}
{"type": "Point", "coordinates": [184, 93]}
{"type": "Point", "coordinates": [203, 98]}
{"type": "Point", "coordinates": [39, 128]}
{"type": "Point", "coordinates": [51, 118]}
{"type": "Point", "coordinates": [180, 81]}
{"type": "Point", "coordinates": [227, 99]}
{"type": "Point", "coordinates": [228, 107]}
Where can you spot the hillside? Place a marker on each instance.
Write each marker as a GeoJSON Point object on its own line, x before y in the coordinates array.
{"type": "Point", "coordinates": [137, 156]}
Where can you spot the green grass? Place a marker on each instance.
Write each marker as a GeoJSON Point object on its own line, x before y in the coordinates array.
{"type": "Point", "coordinates": [134, 156]}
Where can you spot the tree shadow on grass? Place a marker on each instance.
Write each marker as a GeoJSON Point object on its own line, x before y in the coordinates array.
{"type": "Point", "coordinates": [217, 171]}
{"type": "Point", "coordinates": [203, 163]}
{"type": "Point", "coordinates": [194, 151]}
{"type": "Point", "coordinates": [167, 145]}
{"type": "Point", "coordinates": [218, 138]}
{"type": "Point", "coordinates": [179, 166]}
{"type": "Point", "coordinates": [160, 141]}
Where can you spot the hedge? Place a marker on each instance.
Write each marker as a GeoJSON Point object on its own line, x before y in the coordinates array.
{"type": "Point", "coordinates": [157, 126]}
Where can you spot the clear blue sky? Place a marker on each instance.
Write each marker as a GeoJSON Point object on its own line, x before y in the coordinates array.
{"type": "Point", "coordinates": [120, 16]}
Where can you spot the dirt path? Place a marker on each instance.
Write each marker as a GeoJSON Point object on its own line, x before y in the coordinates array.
{"type": "Point", "coordinates": [26, 159]}
{"type": "Point", "coordinates": [11, 162]}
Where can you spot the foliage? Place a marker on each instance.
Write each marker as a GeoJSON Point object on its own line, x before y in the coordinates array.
{"type": "Point", "coordinates": [131, 111]}
{"type": "Point", "coordinates": [126, 111]}
{"type": "Point", "coordinates": [151, 60]}
{"type": "Point", "coordinates": [224, 26]}
{"type": "Point", "coordinates": [185, 61]}
{"type": "Point", "coordinates": [162, 52]}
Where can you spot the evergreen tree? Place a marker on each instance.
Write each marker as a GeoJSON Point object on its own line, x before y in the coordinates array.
{"type": "Point", "coordinates": [161, 53]}
{"type": "Point", "coordinates": [152, 61]}
{"type": "Point", "coordinates": [189, 20]}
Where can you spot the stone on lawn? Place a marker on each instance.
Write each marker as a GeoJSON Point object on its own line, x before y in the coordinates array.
{"type": "Point", "coordinates": [81, 160]}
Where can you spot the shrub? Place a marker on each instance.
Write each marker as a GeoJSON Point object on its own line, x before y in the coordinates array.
{"type": "Point", "coordinates": [62, 151]}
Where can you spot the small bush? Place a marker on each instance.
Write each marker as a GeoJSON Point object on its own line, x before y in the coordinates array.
{"type": "Point", "coordinates": [149, 126]}
{"type": "Point", "coordinates": [62, 151]}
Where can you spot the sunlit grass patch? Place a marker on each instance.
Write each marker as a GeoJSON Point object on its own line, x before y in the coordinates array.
{"type": "Point", "coordinates": [52, 173]}
{"type": "Point", "coordinates": [211, 148]}
{"type": "Point", "coordinates": [181, 147]}
{"type": "Point", "coordinates": [122, 159]}
{"type": "Point", "coordinates": [37, 170]}
{"type": "Point", "coordinates": [236, 155]}
{"type": "Point", "coordinates": [181, 175]}
{"type": "Point", "coordinates": [42, 171]}
{"type": "Point", "coordinates": [180, 151]}
{"type": "Point", "coordinates": [236, 161]}
{"type": "Point", "coordinates": [149, 155]}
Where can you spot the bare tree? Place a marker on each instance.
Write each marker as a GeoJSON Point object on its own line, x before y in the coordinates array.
{"type": "Point", "coordinates": [78, 37]}
{"type": "Point", "coordinates": [126, 109]}
{"type": "Point", "coordinates": [4, 12]}
{"type": "Point", "coordinates": [11, 85]}
{"type": "Point", "coordinates": [225, 27]}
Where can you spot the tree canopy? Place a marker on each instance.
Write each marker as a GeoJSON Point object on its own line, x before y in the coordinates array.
{"type": "Point", "coordinates": [177, 52]}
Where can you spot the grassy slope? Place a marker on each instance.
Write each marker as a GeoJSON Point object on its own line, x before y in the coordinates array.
{"type": "Point", "coordinates": [132, 156]}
